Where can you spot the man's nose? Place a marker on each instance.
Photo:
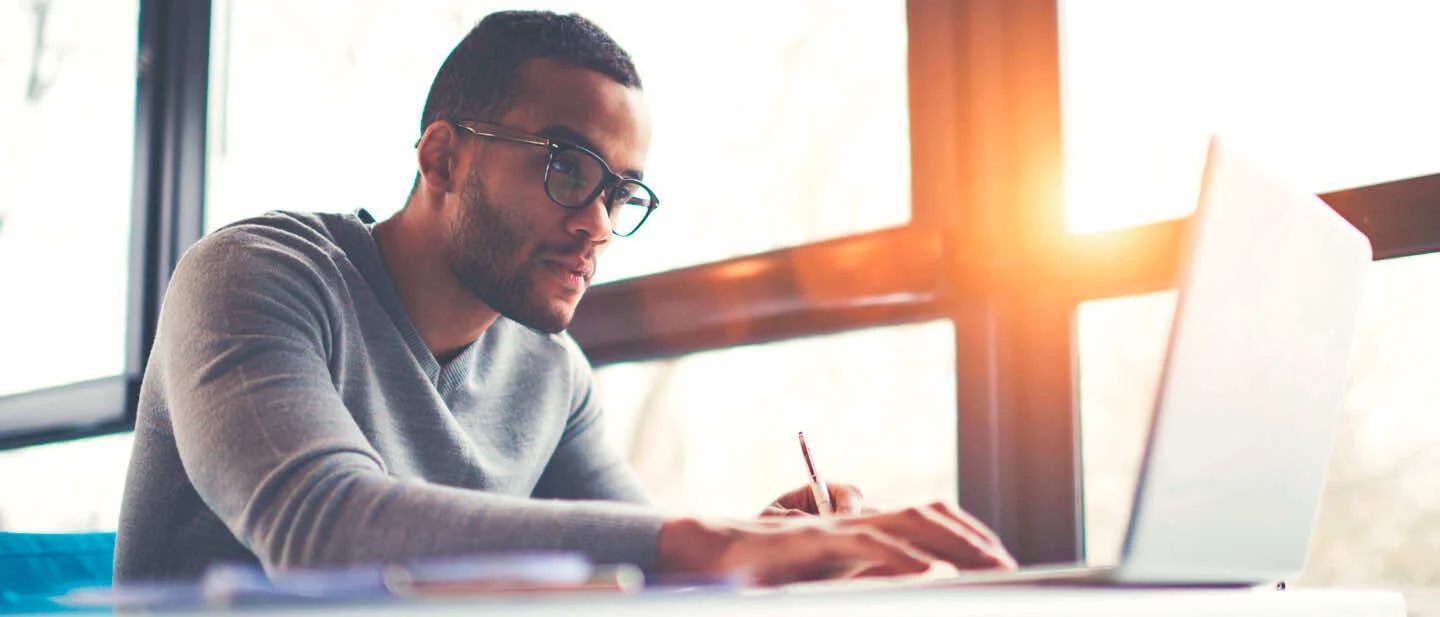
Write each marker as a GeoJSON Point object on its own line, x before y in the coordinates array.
{"type": "Point", "coordinates": [592, 220]}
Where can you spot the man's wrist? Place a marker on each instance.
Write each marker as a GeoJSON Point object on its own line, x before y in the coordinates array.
{"type": "Point", "coordinates": [692, 546]}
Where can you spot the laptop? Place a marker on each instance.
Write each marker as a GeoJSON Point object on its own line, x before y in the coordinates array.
{"type": "Point", "coordinates": [1249, 400]}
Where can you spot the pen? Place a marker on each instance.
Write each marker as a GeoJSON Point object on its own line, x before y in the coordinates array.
{"type": "Point", "coordinates": [818, 489]}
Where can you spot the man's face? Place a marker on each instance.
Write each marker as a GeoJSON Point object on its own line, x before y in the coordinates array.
{"type": "Point", "coordinates": [515, 249]}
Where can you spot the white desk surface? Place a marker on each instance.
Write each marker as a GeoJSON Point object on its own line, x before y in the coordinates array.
{"type": "Point", "coordinates": [977, 601]}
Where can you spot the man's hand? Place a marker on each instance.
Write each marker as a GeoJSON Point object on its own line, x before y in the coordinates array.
{"type": "Point", "coordinates": [801, 502]}
{"type": "Point", "coordinates": [777, 551]}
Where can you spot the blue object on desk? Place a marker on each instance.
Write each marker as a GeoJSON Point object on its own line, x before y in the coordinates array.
{"type": "Point", "coordinates": [231, 585]}
{"type": "Point", "coordinates": [37, 566]}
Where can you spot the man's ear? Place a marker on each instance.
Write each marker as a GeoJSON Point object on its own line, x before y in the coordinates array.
{"type": "Point", "coordinates": [437, 154]}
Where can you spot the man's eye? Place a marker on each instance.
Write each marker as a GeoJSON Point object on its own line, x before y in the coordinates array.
{"type": "Point", "coordinates": [565, 165]}
{"type": "Point", "coordinates": [624, 194]}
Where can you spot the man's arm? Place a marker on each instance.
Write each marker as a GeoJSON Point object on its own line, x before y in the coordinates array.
{"type": "Point", "coordinates": [272, 450]}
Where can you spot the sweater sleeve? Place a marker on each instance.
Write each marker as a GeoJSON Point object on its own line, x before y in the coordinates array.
{"type": "Point", "coordinates": [270, 447]}
{"type": "Point", "coordinates": [584, 465]}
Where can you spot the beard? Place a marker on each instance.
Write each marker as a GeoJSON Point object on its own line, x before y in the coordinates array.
{"type": "Point", "coordinates": [485, 254]}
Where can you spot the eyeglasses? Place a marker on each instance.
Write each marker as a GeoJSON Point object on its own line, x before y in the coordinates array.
{"type": "Point", "coordinates": [575, 176]}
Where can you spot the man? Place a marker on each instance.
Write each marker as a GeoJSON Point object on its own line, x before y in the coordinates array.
{"type": "Point", "coordinates": [325, 392]}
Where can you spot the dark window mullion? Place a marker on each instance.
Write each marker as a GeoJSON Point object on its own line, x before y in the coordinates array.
{"type": "Point", "coordinates": [1019, 431]}
{"type": "Point", "coordinates": [884, 277]}
{"type": "Point", "coordinates": [172, 87]}
{"type": "Point", "coordinates": [71, 411]}
{"type": "Point", "coordinates": [1401, 218]}
{"type": "Point", "coordinates": [985, 74]}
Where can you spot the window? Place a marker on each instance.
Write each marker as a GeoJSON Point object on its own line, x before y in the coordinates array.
{"type": "Point", "coordinates": [1379, 518]}
{"type": "Point", "coordinates": [63, 487]}
{"type": "Point", "coordinates": [67, 113]}
{"type": "Point", "coordinates": [1337, 105]}
{"type": "Point", "coordinates": [794, 136]}
{"type": "Point", "coordinates": [1379, 514]}
{"type": "Point", "coordinates": [1121, 345]}
{"type": "Point", "coordinates": [1327, 96]}
{"type": "Point", "coordinates": [715, 432]}
{"type": "Point", "coordinates": [1330, 95]}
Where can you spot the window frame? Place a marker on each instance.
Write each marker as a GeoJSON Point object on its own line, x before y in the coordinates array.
{"type": "Point", "coordinates": [170, 97]}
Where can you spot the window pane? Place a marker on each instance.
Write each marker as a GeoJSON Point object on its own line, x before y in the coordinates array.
{"type": "Point", "coordinates": [1331, 95]}
{"type": "Point", "coordinates": [91, 477]}
{"type": "Point", "coordinates": [714, 432]}
{"type": "Point", "coordinates": [1379, 521]}
{"type": "Point", "coordinates": [796, 135]}
{"type": "Point", "coordinates": [1380, 516]}
{"type": "Point", "coordinates": [67, 129]}
{"type": "Point", "coordinates": [1121, 345]}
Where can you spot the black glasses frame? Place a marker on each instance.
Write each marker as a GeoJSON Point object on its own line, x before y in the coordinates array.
{"type": "Point", "coordinates": [609, 183]}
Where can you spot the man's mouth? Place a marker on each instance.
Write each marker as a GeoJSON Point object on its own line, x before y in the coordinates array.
{"type": "Point", "coordinates": [573, 272]}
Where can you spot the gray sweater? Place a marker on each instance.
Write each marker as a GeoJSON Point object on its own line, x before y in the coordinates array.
{"type": "Point", "coordinates": [291, 415]}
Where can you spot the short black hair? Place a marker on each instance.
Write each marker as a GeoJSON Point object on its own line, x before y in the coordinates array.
{"type": "Point", "coordinates": [479, 79]}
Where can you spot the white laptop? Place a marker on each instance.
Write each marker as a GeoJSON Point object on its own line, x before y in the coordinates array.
{"type": "Point", "coordinates": [1249, 400]}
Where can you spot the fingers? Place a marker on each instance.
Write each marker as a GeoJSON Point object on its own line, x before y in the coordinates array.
{"type": "Point", "coordinates": [891, 556]}
{"type": "Point", "coordinates": [818, 553]}
{"type": "Point", "coordinates": [940, 530]}
{"type": "Point", "coordinates": [938, 569]}
{"type": "Point", "coordinates": [847, 498]}
{"type": "Point", "coordinates": [966, 520]}
{"type": "Point", "coordinates": [778, 511]}
{"type": "Point", "coordinates": [972, 524]}
{"type": "Point", "coordinates": [798, 499]}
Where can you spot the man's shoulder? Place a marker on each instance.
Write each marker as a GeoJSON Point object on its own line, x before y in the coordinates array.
{"type": "Point", "coordinates": [282, 228]}
{"type": "Point", "coordinates": [275, 239]}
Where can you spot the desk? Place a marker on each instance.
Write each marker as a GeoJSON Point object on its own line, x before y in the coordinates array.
{"type": "Point", "coordinates": [963, 602]}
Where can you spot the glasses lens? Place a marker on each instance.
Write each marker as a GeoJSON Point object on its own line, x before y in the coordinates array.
{"type": "Point", "coordinates": [630, 204]}
{"type": "Point", "coordinates": [574, 177]}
